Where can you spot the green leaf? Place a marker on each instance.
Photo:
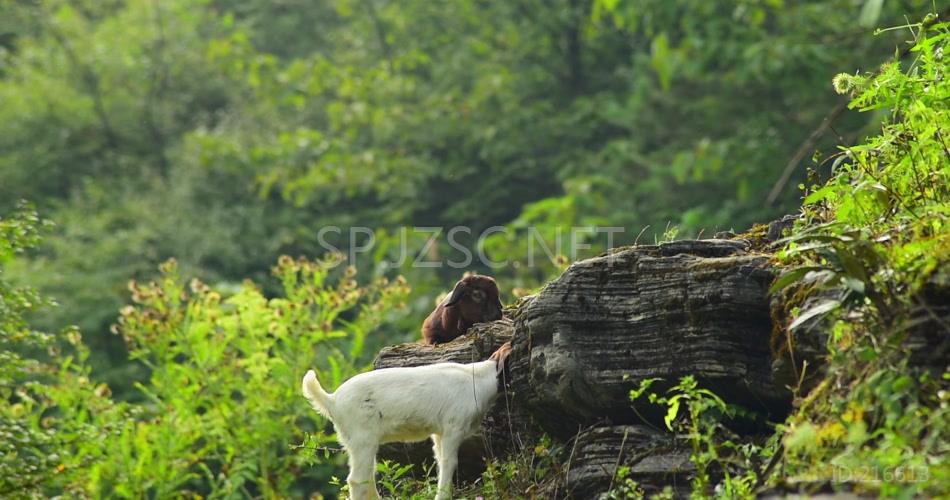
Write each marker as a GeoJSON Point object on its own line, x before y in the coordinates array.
{"type": "Point", "coordinates": [671, 411]}
{"type": "Point", "coordinates": [852, 266]}
{"type": "Point", "coordinates": [661, 60]}
{"type": "Point", "coordinates": [644, 386]}
{"type": "Point", "coordinates": [792, 276]}
{"type": "Point", "coordinates": [828, 191]}
{"type": "Point", "coordinates": [855, 285]}
{"type": "Point", "coordinates": [803, 437]}
{"type": "Point", "coordinates": [822, 308]}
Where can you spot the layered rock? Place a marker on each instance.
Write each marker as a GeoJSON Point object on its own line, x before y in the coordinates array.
{"type": "Point", "coordinates": [682, 308]}
{"type": "Point", "coordinates": [653, 458]}
{"type": "Point", "coordinates": [477, 344]}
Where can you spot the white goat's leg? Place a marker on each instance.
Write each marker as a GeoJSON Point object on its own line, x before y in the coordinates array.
{"type": "Point", "coordinates": [447, 464]}
{"type": "Point", "coordinates": [437, 448]}
{"type": "Point", "coordinates": [362, 477]}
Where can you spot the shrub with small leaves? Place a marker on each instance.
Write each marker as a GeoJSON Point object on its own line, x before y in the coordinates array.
{"type": "Point", "coordinates": [223, 404]}
{"type": "Point", "coordinates": [874, 241]}
{"type": "Point", "coordinates": [221, 408]}
{"type": "Point", "coordinates": [32, 438]}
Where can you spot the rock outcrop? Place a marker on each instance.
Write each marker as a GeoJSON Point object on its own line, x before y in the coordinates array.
{"type": "Point", "coordinates": [683, 308]}
{"type": "Point", "coordinates": [581, 344]}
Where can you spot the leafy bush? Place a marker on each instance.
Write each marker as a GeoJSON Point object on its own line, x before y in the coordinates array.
{"type": "Point", "coordinates": [224, 403]}
{"type": "Point", "coordinates": [873, 250]}
{"type": "Point", "coordinates": [222, 406]}
{"type": "Point", "coordinates": [874, 239]}
{"type": "Point", "coordinates": [35, 435]}
{"type": "Point", "coordinates": [27, 452]}
{"type": "Point", "coordinates": [716, 452]}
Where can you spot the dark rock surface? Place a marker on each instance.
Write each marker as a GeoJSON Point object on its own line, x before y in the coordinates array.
{"type": "Point", "coordinates": [679, 308]}
{"type": "Point", "coordinates": [654, 459]}
{"type": "Point", "coordinates": [929, 336]}
{"type": "Point", "coordinates": [778, 227]}
{"type": "Point", "coordinates": [477, 344]}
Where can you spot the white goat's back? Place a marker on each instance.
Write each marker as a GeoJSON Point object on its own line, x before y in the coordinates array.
{"type": "Point", "coordinates": [410, 404]}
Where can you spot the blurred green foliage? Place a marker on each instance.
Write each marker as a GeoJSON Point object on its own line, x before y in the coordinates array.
{"type": "Point", "coordinates": [227, 133]}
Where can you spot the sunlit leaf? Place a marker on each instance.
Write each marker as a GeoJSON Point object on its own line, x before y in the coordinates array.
{"type": "Point", "coordinates": [818, 310]}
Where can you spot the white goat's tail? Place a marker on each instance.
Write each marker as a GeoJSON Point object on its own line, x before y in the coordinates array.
{"type": "Point", "coordinates": [313, 391]}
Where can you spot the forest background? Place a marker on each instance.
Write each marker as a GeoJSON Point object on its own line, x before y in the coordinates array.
{"type": "Point", "coordinates": [224, 134]}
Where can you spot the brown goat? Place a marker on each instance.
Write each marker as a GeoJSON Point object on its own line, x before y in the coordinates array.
{"type": "Point", "coordinates": [475, 299]}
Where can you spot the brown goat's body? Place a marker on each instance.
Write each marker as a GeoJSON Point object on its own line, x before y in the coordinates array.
{"type": "Point", "coordinates": [475, 299]}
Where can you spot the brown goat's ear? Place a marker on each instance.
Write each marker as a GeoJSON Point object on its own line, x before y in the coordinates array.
{"type": "Point", "coordinates": [500, 356]}
{"type": "Point", "coordinates": [457, 293]}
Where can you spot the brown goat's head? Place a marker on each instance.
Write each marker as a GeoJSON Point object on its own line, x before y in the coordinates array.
{"type": "Point", "coordinates": [477, 299]}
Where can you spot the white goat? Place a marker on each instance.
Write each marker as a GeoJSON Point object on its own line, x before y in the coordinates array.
{"type": "Point", "coordinates": [444, 401]}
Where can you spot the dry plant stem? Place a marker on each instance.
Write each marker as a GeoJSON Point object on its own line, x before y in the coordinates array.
{"type": "Point", "coordinates": [619, 458]}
